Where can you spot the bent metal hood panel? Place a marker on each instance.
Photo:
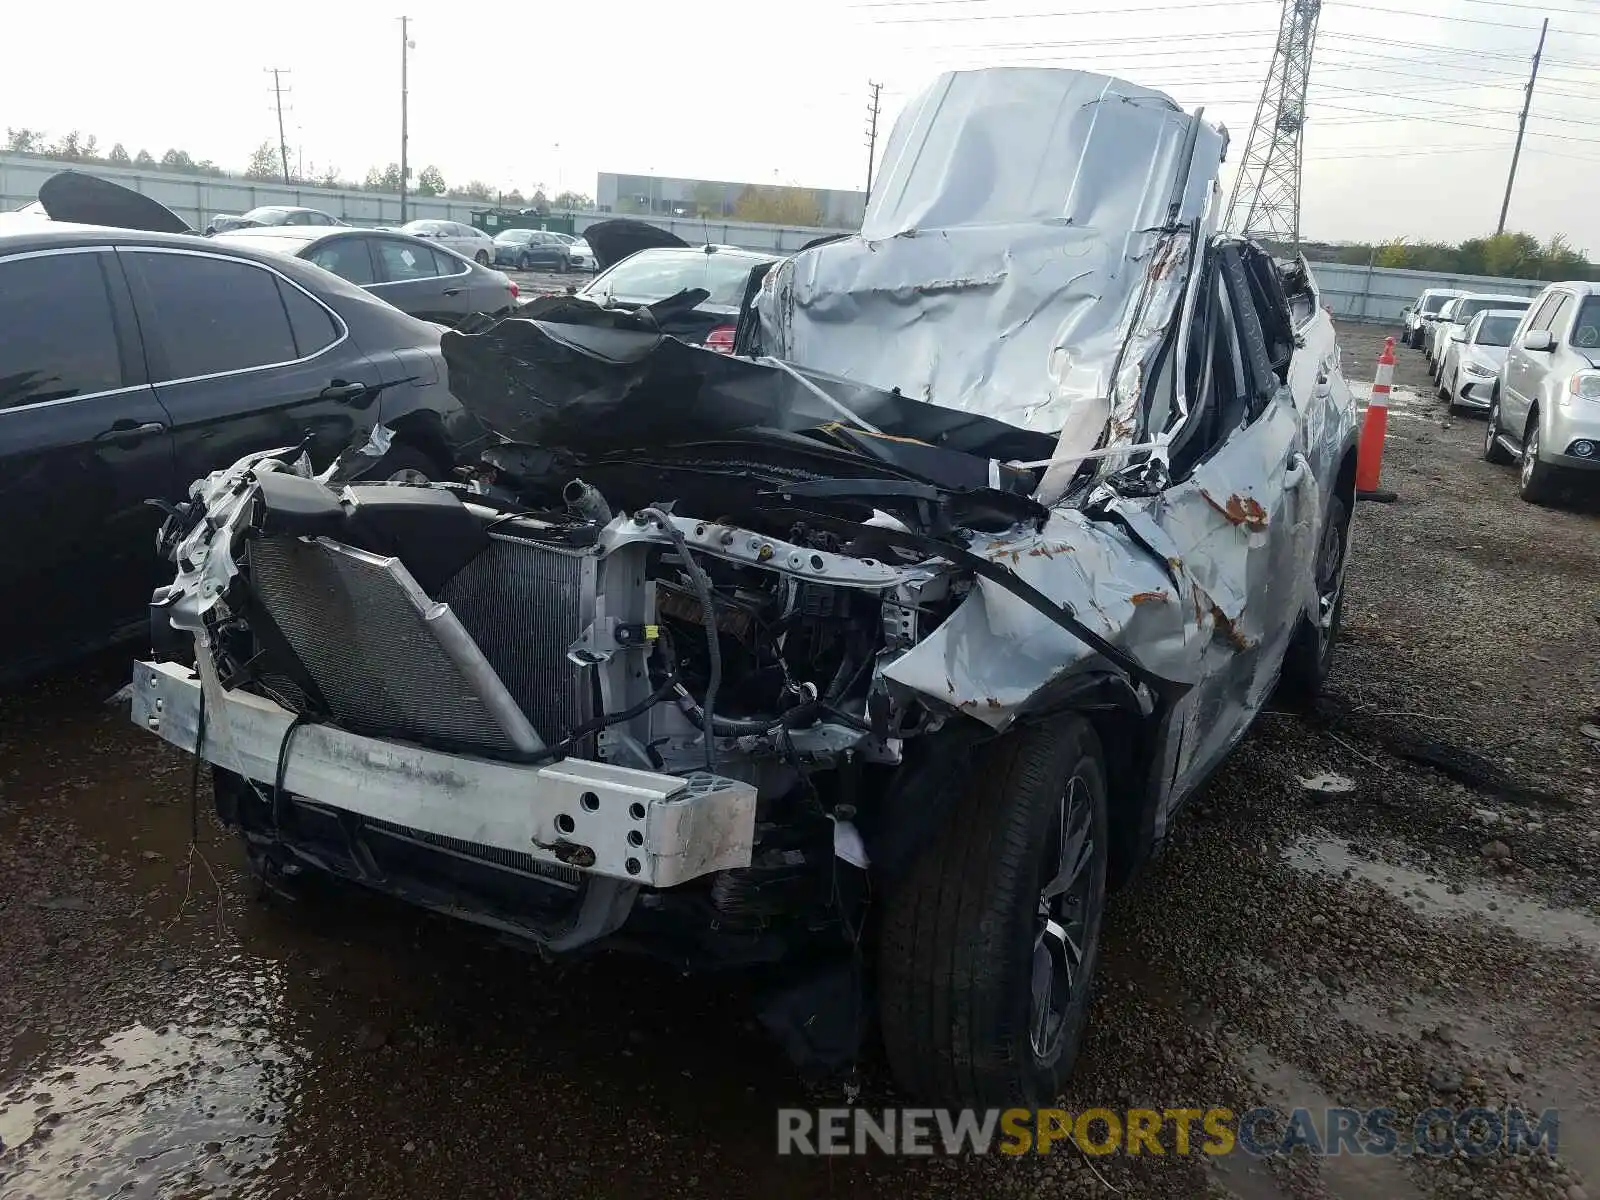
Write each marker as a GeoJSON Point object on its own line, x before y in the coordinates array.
{"type": "Point", "coordinates": [1007, 248]}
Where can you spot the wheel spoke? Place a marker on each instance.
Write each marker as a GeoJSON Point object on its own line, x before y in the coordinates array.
{"type": "Point", "coordinates": [1076, 845]}
{"type": "Point", "coordinates": [1044, 973]}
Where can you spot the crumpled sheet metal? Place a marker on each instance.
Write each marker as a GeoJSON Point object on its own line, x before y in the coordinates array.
{"type": "Point", "coordinates": [1005, 253]}
{"type": "Point", "coordinates": [1178, 611]}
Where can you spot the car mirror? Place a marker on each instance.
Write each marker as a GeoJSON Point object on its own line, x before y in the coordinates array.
{"type": "Point", "coordinates": [1538, 340]}
{"type": "Point", "coordinates": [1458, 336]}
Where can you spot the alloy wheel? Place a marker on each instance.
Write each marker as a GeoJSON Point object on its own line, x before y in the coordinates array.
{"type": "Point", "coordinates": [1530, 456]}
{"type": "Point", "coordinates": [1063, 928]}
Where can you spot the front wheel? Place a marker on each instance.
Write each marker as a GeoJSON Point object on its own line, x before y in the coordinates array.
{"type": "Point", "coordinates": [1536, 481]}
{"type": "Point", "coordinates": [402, 464]}
{"type": "Point", "coordinates": [481, 258]}
{"type": "Point", "coordinates": [1309, 659]}
{"type": "Point", "coordinates": [988, 948]}
{"type": "Point", "coordinates": [1493, 451]}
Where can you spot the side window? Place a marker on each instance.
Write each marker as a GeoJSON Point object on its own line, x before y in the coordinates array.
{"type": "Point", "coordinates": [210, 315]}
{"type": "Point", "coordinates": [298, 218]}
{"type": "Point", "coordinates": [1248, 307]}
{"type": "Point", "coordinates": [1562, 315]}
{"type": "Point", "coordinates": [402, 261]}
{"type": "Point", "coordinates": [316, 218]}
{"type": "Point", "coordinates": [445, 264]}
{"type": "Point", "coordinates": [60, 337]}
{"type": "Point", "coordinates": [310, 323]}
{"type": "Point", "coordinates": [1546, 309]}
{"type": "Point", "coordinates": [347, 258]}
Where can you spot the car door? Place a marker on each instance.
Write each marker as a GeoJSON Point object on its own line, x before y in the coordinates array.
{"type": "Point", "coordinates": [1514, 379]}
{"type": "Point", "coordinates": [1531, 366]}
{"type": "Point", "coordinates": [243, 359]}
{"type": "Point", "coordinates": [417, 281]}
{"type": "Point", "coordinates": [1245, 512]}
{"type": "Point", "coordinates": [83, 443]}
{"type": "Point", "coordinates": [544, 250]}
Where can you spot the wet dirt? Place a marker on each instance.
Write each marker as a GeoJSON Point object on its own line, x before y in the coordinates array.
{"type": "Point", "coordinates": [1406, 942]}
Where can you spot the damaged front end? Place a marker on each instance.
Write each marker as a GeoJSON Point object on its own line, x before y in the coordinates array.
{"type": "Point", "coordinates": [712, 647]}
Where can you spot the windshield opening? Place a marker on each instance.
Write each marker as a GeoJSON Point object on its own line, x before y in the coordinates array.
{"type": "Point", "coordinates": [1432, 304]}
{"type": "Point", "coordinates": [1472, 306]}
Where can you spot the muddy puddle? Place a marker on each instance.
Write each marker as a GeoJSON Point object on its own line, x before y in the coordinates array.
{"type": "Point", "coordinates": [1429, 895]}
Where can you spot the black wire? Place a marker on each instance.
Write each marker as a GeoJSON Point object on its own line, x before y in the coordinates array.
{"type": "Point", "coordinates": [194, 777]}
{"type": "Point", "coordinates": [283, 766]}
{"type": "Point", "coordinates": [702, 586]}
{"type": "Point", "coordinates": [560, 749]}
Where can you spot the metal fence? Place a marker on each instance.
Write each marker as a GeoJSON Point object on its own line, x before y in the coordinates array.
{"type": "Point", "coordinates": [1378, 294]}
{"type": "Point", "coordinates": [198, 198]}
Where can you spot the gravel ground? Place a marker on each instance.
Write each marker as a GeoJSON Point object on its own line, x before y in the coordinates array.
{"type": "Point", "coordinates": [1431, 936]}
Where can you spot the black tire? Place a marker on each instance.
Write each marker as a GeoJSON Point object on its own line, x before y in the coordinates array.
{"type": "Point", "coordinates": [1309, 658]}
{"type": "Point", "coordinates": [963, 932]}
{"type": "Point", "coordinates": [522, 263]}
{"type": "Point", "coordinates": [481, 258]}
{"type": "Point", "coordinates": [1537, 482]}
{"type": "Point", "coordinates": [1493, 451]}
{"type": "Point", "coordinates": [403, 464]}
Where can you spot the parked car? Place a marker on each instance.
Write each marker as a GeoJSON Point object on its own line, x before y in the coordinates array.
{"type": "Point", "coordinates": [651, 276]}
{"type": "Point", "coordinates": [1475, 357]}
{"type": "Point", "coordinates": [1453, 318]}
{"type": "Point", "coordinates": [1420, 316]}
{"type": "Point", "coordinates": [463, 239]}
{"type": "Point", "coordinates": [968, 635]}
{"type": "Point", "coordinates": [134, 363]}
{"type": "Point", "coordinates": [270, 215]}
{"type": "Point", "coordinates": [532, 249]}
{"type": "Point", "coordinates": [579, 256]}
{"type": "Point", "coordinates": [424, 279]}
{"type": "Point", "coordinates": [1545, 414]}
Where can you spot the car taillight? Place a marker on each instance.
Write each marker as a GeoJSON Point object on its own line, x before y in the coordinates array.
{"type": "Point", "coordinates": [512, 284]}
{"type": "Point", "coordinates": [720, 339]}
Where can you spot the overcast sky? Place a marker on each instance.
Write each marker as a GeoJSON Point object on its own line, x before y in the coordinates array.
{"type": "Point", "coordinates": [1410, 130]}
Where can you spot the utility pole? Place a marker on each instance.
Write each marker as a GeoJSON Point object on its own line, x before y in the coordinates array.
{"type": "Point", "coordinates": [1522, 123]}
{"type": "Point", "coordinates": [405, 49]}
{"type": "Point", "coordinates": [872, 131]}
{"type": "Point", "coordinates": [277, 74]}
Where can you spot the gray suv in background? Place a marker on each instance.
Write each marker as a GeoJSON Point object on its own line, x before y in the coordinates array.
{"type": "Point", "coordinates": [1545, 413]}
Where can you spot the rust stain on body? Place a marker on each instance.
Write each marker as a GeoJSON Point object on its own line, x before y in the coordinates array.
{"type": "Point", "coordinates": [1148, 597]}
{"type": "Point", "coordinates": [1240, 510]}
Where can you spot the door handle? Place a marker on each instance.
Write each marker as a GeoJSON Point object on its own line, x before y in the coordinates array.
{"type": "Point", "coordinates": [453, 291]}
{"type": "Point", "coordinates": [342, 391]}
{"type": "Point", "coordinates": [1296, 472]}
{"type": "Point", "coordinates": [126, 432]}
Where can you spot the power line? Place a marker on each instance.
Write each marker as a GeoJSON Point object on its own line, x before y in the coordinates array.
{"type": "Point", "coordinates": [1081, 12]}
{"type": "Point", "coordinates": [1403, 12]}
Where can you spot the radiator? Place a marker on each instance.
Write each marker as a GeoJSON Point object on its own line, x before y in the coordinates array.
{"type": "Point", "coordinates": [483, 670]}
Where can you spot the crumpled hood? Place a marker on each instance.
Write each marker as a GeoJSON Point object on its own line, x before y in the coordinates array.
{"type": "Point", "coordinates": [1020, 233]}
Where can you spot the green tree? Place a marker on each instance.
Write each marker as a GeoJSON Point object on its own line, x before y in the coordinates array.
{"type": "Point", "coordinates": [25, 141]}
{"type": "Point", "coordinates": [177, 160]}
{"type": "Point", "coordinates": [118, 155]}
{"type": "Point", "coordinates": [385, 180]}
{"type": "Point", "coordinates": [143, 159]}
{"type": "Point", "coordinates": [68, 146]}
{"type": "Point", "coordinates": [430, 182]}
{"type": "Point", "coordinates": [570, 199]}
{"type": "Point", "coordinates": [476, 189]}
{"type": "Point", "coordinates": [778, 206]}
{"type": "Point", "coordinates": [540, 203]}
{"type": "Point", "coordinates": [710, 200]}
{"type": "Point", "coordinates": [265, 163]}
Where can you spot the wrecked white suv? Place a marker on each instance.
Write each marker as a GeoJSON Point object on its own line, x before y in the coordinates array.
{"type": "Point", "coordinates": [874, 653]}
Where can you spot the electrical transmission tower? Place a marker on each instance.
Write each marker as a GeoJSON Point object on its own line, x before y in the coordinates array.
{"type": "Point", "coordinates": [1266, 193]}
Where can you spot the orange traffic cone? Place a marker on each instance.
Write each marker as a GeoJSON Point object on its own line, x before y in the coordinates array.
{"type": "Point", "coordinates": [1369, 454]}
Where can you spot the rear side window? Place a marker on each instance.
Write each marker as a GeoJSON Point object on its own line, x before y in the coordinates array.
{"type": "Point", "coordinates": [313, 328]}
{"type": "Point", "coordinates": [448, 264]}
{"type": "Point", "coordinates": [210, 315]}
{"type": "Point", "coordinates": [57, 335]}
{"type": "Point", "coordinates": [347, 258]}
{"type": "Point", "coordinates": [402, 261]}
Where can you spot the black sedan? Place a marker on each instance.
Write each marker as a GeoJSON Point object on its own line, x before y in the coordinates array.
{"type": "Point", "coordinates": [723, 273]}
{"type": "Point", "coordinates": [417, 277]}
{"type": "Point", "coordinates": [133, 363]}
